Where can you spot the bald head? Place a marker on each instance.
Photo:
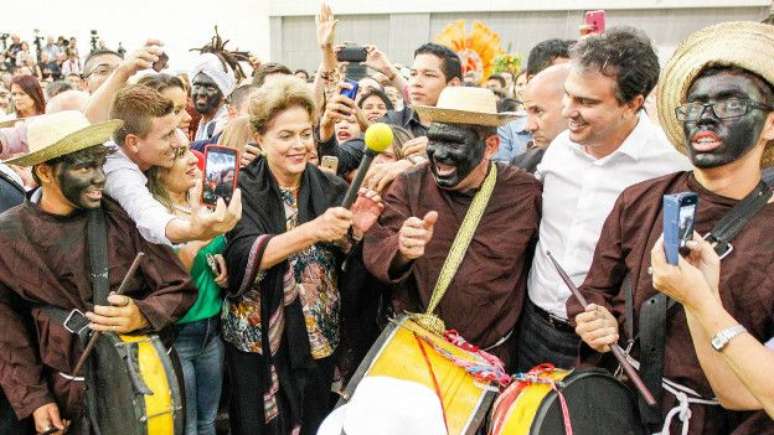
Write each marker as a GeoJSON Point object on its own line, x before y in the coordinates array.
{"type": "Point", "coordinates": [68, 100]}
{"type": "Point", "coordinates": [543, 101]}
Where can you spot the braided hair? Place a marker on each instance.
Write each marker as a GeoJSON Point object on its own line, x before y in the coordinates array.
{"type": "Point", "coordinates": [229, 59]}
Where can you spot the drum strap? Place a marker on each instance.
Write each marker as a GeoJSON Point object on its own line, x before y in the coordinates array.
{"type": "Point", "coordinates": [457, 251]}
{"type": "Point", "coordinates": [653, 312]}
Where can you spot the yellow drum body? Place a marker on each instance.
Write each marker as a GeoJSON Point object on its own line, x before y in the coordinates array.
{"type": "Point", "coordinates": [137, 390]}
{"type": "Point", "coordinates": [397, 354]}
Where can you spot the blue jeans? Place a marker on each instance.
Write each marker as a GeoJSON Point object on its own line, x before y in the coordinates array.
{"type": "Point", "coordinates": [200, 349]}
{"type": "Point", "coordinates": [541, 342]}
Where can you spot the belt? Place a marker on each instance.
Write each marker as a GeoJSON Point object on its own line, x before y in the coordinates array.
{"type": "Point", "coordinates": [553, 320]}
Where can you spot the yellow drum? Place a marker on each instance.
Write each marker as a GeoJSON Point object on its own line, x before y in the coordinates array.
{"type": "Point", "coordinates": [550, 401]}
{"type": "Point", "coordinates": [136, 389]}
{"type": "Point", "coordinates": [407, 351]}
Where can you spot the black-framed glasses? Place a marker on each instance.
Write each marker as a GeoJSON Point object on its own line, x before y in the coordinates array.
{"type": "Point", "coordinates": [726, 109]}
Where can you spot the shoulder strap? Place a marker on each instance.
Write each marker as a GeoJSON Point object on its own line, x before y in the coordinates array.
{"type": "Point", "coordinates": [97, 239]}
{"type": "Point", "coordinates": [462, 239]}
{"type": "Point", "coordinates": [737, 218]}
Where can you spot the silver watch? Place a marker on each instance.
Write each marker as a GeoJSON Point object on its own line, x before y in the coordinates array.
{"type": "Point", "coordinates": [721, 339]}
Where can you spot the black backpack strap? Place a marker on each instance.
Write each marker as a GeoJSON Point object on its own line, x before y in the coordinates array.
{"type": "Point", "coordinates": [97, 238]}
{"type": "Point", "coordinates": [737, 218]}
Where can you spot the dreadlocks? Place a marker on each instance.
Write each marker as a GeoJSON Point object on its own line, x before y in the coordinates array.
{"type": "Point", "coordinates": [217, 46]}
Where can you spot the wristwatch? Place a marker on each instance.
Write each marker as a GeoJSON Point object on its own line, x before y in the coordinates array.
{"type": "Point", "coordinates": [721, 339]}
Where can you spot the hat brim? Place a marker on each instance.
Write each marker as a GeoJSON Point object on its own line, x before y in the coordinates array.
{"type": "Point", "coordinates": [746, 45]}
{"type": "Point", "coordinates": [455, 116]}
{"type": "Point", "coordinates": [85, 138]}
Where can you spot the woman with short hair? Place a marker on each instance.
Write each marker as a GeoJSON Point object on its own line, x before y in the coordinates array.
{"type": "Point", "coordinates": [281, 319]}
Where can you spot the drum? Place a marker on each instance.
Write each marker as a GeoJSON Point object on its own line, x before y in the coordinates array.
{"type": "Point", "coordinates": [594, 402]}
{"type": "Point", "coordinates": [407, 351]}
{"type": "Point", "coordinates": [136, 391]}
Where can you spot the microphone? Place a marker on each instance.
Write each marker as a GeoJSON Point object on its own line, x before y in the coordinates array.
{"type": "Point", "coordinates": [378, 137]}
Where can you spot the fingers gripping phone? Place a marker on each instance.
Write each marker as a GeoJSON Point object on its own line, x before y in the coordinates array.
{"type": "Point", "coordinates": [679, 216]}
{"type": "Point", "coordinates": [221, 169]}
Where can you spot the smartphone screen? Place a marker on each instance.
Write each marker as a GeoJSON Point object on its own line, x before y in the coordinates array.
{"type": "Point", "coordinates": [679, 216]}
{"type": "Point", "coordinates": [352, 92]}
{"type": "Point", "coordinates": [221, 168]}
{"type": "Point", "coordinates": [330, 162]}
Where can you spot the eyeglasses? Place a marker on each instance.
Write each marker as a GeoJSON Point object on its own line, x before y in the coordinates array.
{"type": "Point", "coordinates": [101, 70]}
{"type": "Point", "coordinates": [726, 109]}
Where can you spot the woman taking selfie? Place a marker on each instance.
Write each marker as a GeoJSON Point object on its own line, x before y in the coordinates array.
{"type": "Point", "coordinates": [281, 320]}
{"type": "Point", "coordinates": [198, 342]}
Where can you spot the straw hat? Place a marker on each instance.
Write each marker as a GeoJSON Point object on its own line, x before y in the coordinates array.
{"type": "Point", "coordinates": [58, 134]}
{"type": "Point", "coordinates": [743, 44]}
{"type": "Point", "coordinates": [465, 105]}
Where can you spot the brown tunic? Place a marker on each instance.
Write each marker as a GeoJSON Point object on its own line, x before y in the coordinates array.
{"type": "Point", "coordinates": [484, 300]}
{"type": "Point", "coordinates": [746, 285]}
{"type": "Point", "coordinates": [44, 260]}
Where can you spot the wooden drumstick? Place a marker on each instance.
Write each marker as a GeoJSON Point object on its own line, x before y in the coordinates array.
{"type": "Point", "coordinates": [617, 351]}
{"type": "Point", "coordinates": [93, 340]}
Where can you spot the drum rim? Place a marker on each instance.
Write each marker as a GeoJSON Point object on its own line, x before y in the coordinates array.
{"type": "Point", "coordinates": [176, 398]}
{"type": "Point", "coordinates": [574, 375]}
{"type": "Point", "coordinates": [476, 420]}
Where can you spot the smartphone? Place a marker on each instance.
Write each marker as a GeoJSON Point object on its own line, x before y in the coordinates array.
{"type": "Point", "coordinates": [355, 72]}
{"type": "Point", "coordinates": [330, 162]}
{"type": "Point", "coordinates": [595, 21]}
{"type": "Point", "coordinates": [161, 63]}
{"type": "Point", "coordinates": [679, 215]}
{"type": "Point", "coordinates": [221, 169]}
{"type": "Point", "coordinates": [354, 54]}
{"type": "Point", "coordinates": [352, 92]}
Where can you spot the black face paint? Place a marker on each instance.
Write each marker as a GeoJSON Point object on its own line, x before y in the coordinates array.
{"type": "Point", "coordinates": [454, 151]}
{"type": "Point", "coordinates": [81, 177]}
{"type": "Point", "coordinates": [737, 136]}
{"type": "Point", "coordinates": [205, 94]}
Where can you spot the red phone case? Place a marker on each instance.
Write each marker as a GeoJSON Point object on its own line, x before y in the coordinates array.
{"type": "Point", "coordinates": [210, 187]}
{"type": "Point", "coordinates": [596, 19]}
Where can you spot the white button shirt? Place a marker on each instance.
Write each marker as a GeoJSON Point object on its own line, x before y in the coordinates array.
{"type": "Point", "coordinates": [578, 193]}
{"type": "Point", "coordinates": [125, 182]}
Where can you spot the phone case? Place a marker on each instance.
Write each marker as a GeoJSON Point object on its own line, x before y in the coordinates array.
{"type": "Point", "coordinates": [213, 184]}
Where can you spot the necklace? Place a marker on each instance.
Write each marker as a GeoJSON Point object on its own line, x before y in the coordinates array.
{"type": "Point", "coordinates": [182, 209]}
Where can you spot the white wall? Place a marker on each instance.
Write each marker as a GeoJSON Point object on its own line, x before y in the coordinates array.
{"type": "Point", "coordinates": [181, 25]}
{"type": "Point", "coordinates": [349, 7]}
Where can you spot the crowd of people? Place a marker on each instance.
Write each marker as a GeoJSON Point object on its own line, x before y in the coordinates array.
{"type": "Point", "coordinates": [269, 297]}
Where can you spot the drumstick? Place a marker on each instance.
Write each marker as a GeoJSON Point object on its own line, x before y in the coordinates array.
{"type": "Point", "coordinates": [617, 351]}
{"type": "Point", "coordinates": [93, 340]}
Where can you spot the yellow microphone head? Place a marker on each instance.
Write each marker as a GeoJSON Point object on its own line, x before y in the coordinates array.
{"type": "Point", "coordinates": [378, 137]}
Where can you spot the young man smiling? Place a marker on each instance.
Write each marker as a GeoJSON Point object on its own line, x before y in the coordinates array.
{"type": "Point", "coordinates": [423, 215]}
{"type": "Point", "coordinates": [717, 106]}
{"type": "Point", "coordinates": [610, 144]}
